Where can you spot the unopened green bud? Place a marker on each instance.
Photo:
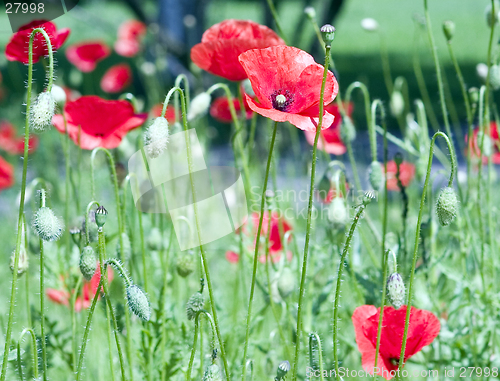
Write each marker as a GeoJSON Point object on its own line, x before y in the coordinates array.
{"type": "Point", "coordinates": [22, 264]}
{"type": "Point", "coordinates": [310, 12]}
{"type": "Point", "coordinates": [155, 239]}
{"type": "Point", "coordinates": [474, 95]}
{"type": "Point", "coordinates": [156, 137]}
{"type": "Point", "coordinates": [286, 282]}
{"type": "Point", "coordinates": [337, 212]}
{"type": "Point", "coordinates": [492, 16]}
{"type": "Point", "coordinates": [42, 111]}
{"type": "Point", "coordinates": [100, 216]}
{"type": "Point", "coordinates": [495, 77]}
{"type": "Point", "coordinates": [375, 175]}
{"type": "Point", "coordinates": [397, 104]}
{"type": "Point", "coordinates": [185, 264]}
{"type": "Point", "coordinates": [447, 206]}
{"type": "Point", "coordinates": [47, 225]}
{"type": "Point", "coordinates": [138, 302]}
{"type": "Point", "coordinates": [328, 34]}
{"type": "Point", "coordinates": [283, 368]}
{"type": "Point", "coordinates": [347, 130]}
{"type": "Point", "coordinates": [449, 30]}
{"type": "Point", "coordinates": [212, 373]}
{"type": "Point", "coordinates": [194, 305]}
{"type": "Point", "coordinates": [88, 262]}
{"type": "Point", "coordinates": [396, 290]}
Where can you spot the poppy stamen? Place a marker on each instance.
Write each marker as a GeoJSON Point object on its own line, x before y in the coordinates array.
{"type": "Point", "coordinates": [281, 101]}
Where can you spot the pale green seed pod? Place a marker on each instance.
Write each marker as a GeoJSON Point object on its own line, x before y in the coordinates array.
{"type": "Point", "coordinates": [199, 106]}
{"type": "Point", "coordinates": [396, 290]}
{"type": "Point", "coordinates": [194, 305]}
{"type": "Point", "coordinates": [375, 175]}
{"type": "Point", "coordinates": [328, 34]}
{"type": "Point", "coordinates": [22, 264]}
{"type": "Point", "coordinates": [310, 12]}
{"type": "Point", "coordinates": [495, 77]}
{"type": "Point", "coordinates": [156, 137]}
{"type": "Point", "coordinates": [42, 111]}
{"type": "Point", "coordinates": [283, 368]}
{"type": "Point", "coordinates": [47, 225]}
{"type": "Point", "coordinates": [492, 17]}
{"type": "Point", "coordinates": [138, 302]}
{"type": "Point", "coordinates": [449, 30]}
{"type": "Point", "coordinates": [100, 216]}
{"type": "Point", "coordinates": [88, 262]}
{"type": "Point", "coordinates": [212, 373]}
{"type": "Point", "coordinates": [286, 282]}
{"type": "Point", "coordinates": [185, 264]}
{"type": "Point", "coordinates": [447, 206]}
{"type": "Point", "coordinates": [347, 130]}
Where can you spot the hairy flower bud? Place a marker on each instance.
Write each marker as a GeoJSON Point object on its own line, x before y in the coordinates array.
{"type": "Point", "coordinates": [195, 304]}
{"type": "Point", "coordinates": [88, 262]}
{"type": "Point", "coordinates": [397, 104]}
{"type": "Point", "coordinates": [22, 264]}
{"type": "Point", "coordinates": [185, 263]}
{"type": "Point", "coordinates": [337, 212]}
{"type": "Point", "coordinates": [47, 225]}
{"type": "Point", "coordinates": [347, 130]}
{"type": "Point", "coordinates": [328, 34]}
{"type": "Point", "coordinates": [286, 282]}
{"type": "Point", "coordinates": [283, 368]}
{"type": "Point", "coordinates": [42, 111]}
{"type": "Point", "coordinates": [396, 290]}
{"type": "Point", "coordinates": [199, 106]}
{"type": "Point", "coordinates": [369, 24]}
{"type": "Point", "coordinates": [100, 216]}
{"type": "Point", "coordinates": [138, 302]}
{"type": "Point", "coordinates": [449, 30]}
{"type": "Point", "coordinates": [59, 95]}
{"type": "Point", "coordinates": [212, 373]}
{"type": "Point", "coordinates": [474, 95]}
{"type": "Point", "coordinates": [447, 206]}
{"type": "Point", "coordinates": [156, 137]}
{"type": "Point", "coordinates": [375, 175]}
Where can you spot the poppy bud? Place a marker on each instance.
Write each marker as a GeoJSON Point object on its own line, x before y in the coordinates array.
{"type": "Point", "coordinates": [396, 290]}
{"type": "Point", "coordinates": [194, 305]}
{"type": "Point", "coordinates": [474, 95]}
{"type": "Point", "coordinates": [397, 103]}
{"type": "Point", "coordinates": [155, 239]}
{"type": "Point", "coordinates": [369, 24]}
{"type": "Point", "coordinates": [447, 206]}
{"type": "Point", "coordinates": [185, 264]}
{"type": "Point", "coordinates": [283, 368]}
{"type": "Point", "coordinates": [482, 71]}
{"type": "Point", "coordinates": [286, 283]}
{"type": "Point", "coordinates": [22, 264]}
{"type": "Point", "coordinates": [375, 175]}
{"type": "Point", "coordinates": [88, 262]}
{"type": "Point", "coordinates": [310, 12]}
{"type": "Point", "coordinates": [495, 77]}
{"type": "Point", "coordinates": [347, 130]}
{"type": "Point", "coordinates": [449, 30]}
{"type": "Point", "coordinates": [487, 145]}
{"type": "Point", "coordinates": [42, 111]}
{"type": "Point", "coordinates": [247, 88]}
{"type": "Point", "coordinates": [47, 225]}
{"type": "Point", "coordinates": [337, 212]}
{"type": "Point", "coordinates": [156, 137]}
{"type": "Point", "coordinates": [75, 235]}
{"type": "Point", "coordinates": [492, 17]}
{"type": "Point", "coordinates": [199, 106]}
{"type": "Point", "coordinates": [328, 34]}
{"type": "Point", "coordinates": [100, 216]}
{"type": "Point", "coordinates": [59, 95]}
{"type": "Point", "coordinates": [212, 373]}
{"type": "Point", "coordinates": [138, 302]}
{"type": "Point", "coordinates": [127, 247]}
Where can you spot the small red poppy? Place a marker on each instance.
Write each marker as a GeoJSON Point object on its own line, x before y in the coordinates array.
{"type": "Point", "coordinates": [287, 83]}
{"type": "Point", "coordinates": [86, 55]}
{"type": "Point", "coordinates": [222, 43]}
{"type": "Point", "coordinates": [89, 290]}
{"type": "Point", "coordinates": [12, 144]}
{"type": "Point", "coordinates": [330, 140]}
{"type": "Point", "coordinates": [116, 78]}
{"type": "Point", "coordinates": [18, 46]}
{"type": "Point", "coordinates": [130, 34]}
{"type": "Point", "coordinates": [474, 145]}
{"type": "Point", "coordinates": [102, 123]}
{"type": "Point", "coordinates": [6, 174]}
{"type": "Point", "coordinates": [422, 330]}
{"type": "Point", "coordinates": [220, 109]}
{"type": "Point", "coordinates": [406, 174]}
{"type": "Point", "coordinates": [169, 114]}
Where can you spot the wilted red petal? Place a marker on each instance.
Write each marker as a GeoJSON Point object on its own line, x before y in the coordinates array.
{"type": "Point", "coordinates": [116, 78]}
{"type": "Point", "coordinates": [58, 296]}
{"type": "Point", "coordinates": [103, 123]}
{"type": "Point", "coordinates": [406, 175]}
{"type": "Point", "coordinates": [18, 46]}
{"type": "Point", "coordinates": [86, 55]}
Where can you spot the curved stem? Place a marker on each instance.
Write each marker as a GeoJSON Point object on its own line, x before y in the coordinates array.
{"type": "Point", "coordinates": [87, 229]}
{"type": "Point", "coordinates": [309, 216]}
{"type": "Point", "coordinates": [12, 302]}
{"type": "Point", "coordinates": [417, 233]}
{"type": "Point", "coordinates": [193, 349]}
{"type": "Point", "coordinates": [382, 305]}
{"type": "Point", "coordinates": [34, 352]}
{"type": "Point", "coordinates": [315, 336]}
{"type": "Point", "coordinates": [377, 103]}
{"type": "Point", "coordinates": [118, 266]}
{"type": "Point", "coordinates": [366, 96]}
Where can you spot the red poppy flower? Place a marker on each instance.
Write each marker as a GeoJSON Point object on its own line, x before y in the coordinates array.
{"type": "Point", "coordinates": [129, 37]}
{"type": "Point", "coordinates": [220, 109]}
{"type": "Point", "coordinates": [222, 44]}
{"type": "Point", "coordinates": [18, 46]}
{"type": "Point", "coordinates": [287, 83]}
{"type": "Point", "coordinates": [330, 140]}
{"type": "Point", "coordinates": [474, 144]}
{"type": "Point", "coordinates": [6, 174]}
{"type": "Point", "coordinates": [169, 114]}
{"type": "Point", "coordinates": [406, 174]}
{"type": "Point", "coordinates": [116, 78]}
{"type": "Point", "coordinates": [102, 123]}
{"type": "Point", "coordinates": [12, 144]}
{"type": "Point", "coordinates": [332, 193]}
{"type": "Point", "coordinates": [275, 239]}
{"type": "Point", "coordinates": [422, 330]}
{"type": "Point", "coordinates": [86, 55]}
{"type": "Point", "coordinates": [88, 291]}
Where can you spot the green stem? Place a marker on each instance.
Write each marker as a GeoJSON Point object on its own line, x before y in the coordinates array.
{"type": "Point", "coordinates": [12, 302]}
{"type": "Point", "coordinates": [417, 233]}
{"type": "Point", "coordinates": [382, 305]}
{"type": "Point", "coordinates": [256, 253]}
{"type": "Point", "coordinates": [386, 66]}
{"type": "Point", "coordinates": [118, 266]}
{"type": "Point", "coordinates": [34, 353]}
{"type": "Point", "coordinates": [196, 329]}
{"type": "Point", "coordinates": [180, 78]}
{"type": "Point", "coordinates": [274, 13]}
{"type": "Point", "coordinates": [315, 336]}
{"type": "Point", "coordinates": [366, 97]}
{"type": "Point", "coordinates": [309, 215]}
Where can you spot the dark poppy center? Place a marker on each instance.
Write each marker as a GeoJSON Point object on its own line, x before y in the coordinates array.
{"type": "Point", "coordinates": [282, 100]}
{"type": "Point", "coordinates": [394, 361]}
